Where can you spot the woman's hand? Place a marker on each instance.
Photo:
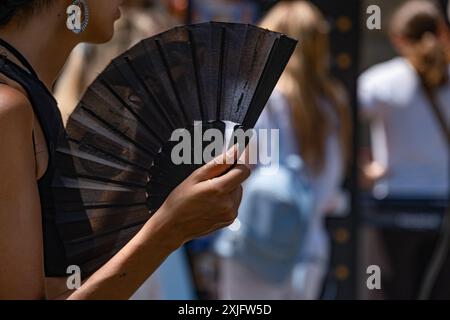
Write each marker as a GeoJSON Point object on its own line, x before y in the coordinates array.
{"type": "Point", "coordinates": [370, 174]}
{"type": "Point", "coordinates": [206, 201]}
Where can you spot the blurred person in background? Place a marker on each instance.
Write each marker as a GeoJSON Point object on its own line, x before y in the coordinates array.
{"type": "Point", "coordinates": [140, 19]}
{"type": "Point", "coordinates": [410, 151]}
{"type": "Point", "coordinates": [311, 111]}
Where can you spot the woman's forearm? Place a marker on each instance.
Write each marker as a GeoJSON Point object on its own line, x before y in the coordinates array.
{"type": "Point", "coordinates": [120, 277]}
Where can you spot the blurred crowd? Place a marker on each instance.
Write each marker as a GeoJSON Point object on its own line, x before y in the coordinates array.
{"type": "Point", "coordinates": [279, 248]}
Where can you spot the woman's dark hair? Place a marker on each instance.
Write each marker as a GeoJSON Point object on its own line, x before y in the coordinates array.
{"type": "Point", "coordinates": [10, 8]}
{"type": "Point", "coordinates": [420, 22]}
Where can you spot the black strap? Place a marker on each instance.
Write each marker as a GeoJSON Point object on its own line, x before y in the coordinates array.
{"type": "Point", "coordinates": [19, 56]}
{"type": "Point", "coordinates": [442, 247]}
{"type": "Point", "coordinates": [26, 64]}
{"type": "Point", "coordinates": [438, 114]}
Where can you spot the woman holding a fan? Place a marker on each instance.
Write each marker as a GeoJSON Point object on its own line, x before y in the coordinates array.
{"type": "Point", "coordinates": [37, 36]}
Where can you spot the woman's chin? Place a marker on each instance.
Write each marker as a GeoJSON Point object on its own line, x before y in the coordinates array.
{"type": "Point", "coordinates": [101, 37]}
{"type": "Point", "coordinates": [107, 37]}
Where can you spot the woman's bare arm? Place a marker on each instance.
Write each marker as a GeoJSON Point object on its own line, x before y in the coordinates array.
{"type": "Point", "coordinates": [373, 165]}
{"type": "Point", "coordinates": [21, 258]}
{"type": "Point", "coordinates": [204, 202]}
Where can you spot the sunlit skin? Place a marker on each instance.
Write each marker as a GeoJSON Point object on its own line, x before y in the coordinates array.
{"type": "Point", "coordinates": [206, 201]}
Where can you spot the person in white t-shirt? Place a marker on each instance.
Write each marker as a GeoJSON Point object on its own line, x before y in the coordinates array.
{"type": "Point", "coordinates": [409, 149]}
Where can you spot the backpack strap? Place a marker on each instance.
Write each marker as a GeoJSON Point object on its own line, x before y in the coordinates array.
{"type": "Point", "coordinates": [442, 247]}
{"type": "Point", "coordinates": [438, 113]}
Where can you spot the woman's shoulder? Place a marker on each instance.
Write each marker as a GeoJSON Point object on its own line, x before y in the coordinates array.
{"type": "Point", "coordinates": [15, 108]}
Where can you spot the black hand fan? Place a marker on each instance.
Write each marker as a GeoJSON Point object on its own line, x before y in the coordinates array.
{"type": "Point", "coordinates": [115, 168]}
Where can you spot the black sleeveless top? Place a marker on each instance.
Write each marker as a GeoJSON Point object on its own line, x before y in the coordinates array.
{"type": "Point", "coordinates": [47, 112]}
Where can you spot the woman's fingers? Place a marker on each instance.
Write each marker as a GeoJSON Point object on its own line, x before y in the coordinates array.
{"type": "Point", "coordinates": [217, 166]}
{"type": "Point", "coordinates": [210, 199]}
{"type": "Point", "coordinates": [232, 179]}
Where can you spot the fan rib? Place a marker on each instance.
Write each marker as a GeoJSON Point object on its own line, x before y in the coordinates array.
{"type": "Point", "coordinates": [84, 125]}
{"type": "Point", "coordinates": [250, 71]}
{"type": "Point", "coordinates": [100, 179]}
{"type": "Point", "coordinates": [125, 105]}
{"type": "Point", "coordinates": [151, 94]}
{"type": "Point", "coordinates": [172, 81]}
{"type": "Point", "coordinates": [221, 67]}
{"type": "Point", "coordinates": [112, 155]}
{"type": "Point", "coordinates": [106, 233]}
{"type": "Point", "coordinates": [92, 157]}
{"type": "Point", "coordinates": [75, 216]}
{"type": "Point", "coordinates": [117, 132]}
{"type": "Point", "coordinates": [197, 76]}
{"type": "Point", "coordinates": [105, 206]}
{"type": "Point", "coordinates": [123, 174]}
{"type": "Point", "coordinates": [277, 61]}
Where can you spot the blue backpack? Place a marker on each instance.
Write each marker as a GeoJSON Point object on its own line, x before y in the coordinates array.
{"type": "Point", "coordinates": [273, 220]}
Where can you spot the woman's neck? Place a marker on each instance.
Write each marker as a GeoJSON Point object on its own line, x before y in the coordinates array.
{"type": "Point", "coordinates": [44, 42]}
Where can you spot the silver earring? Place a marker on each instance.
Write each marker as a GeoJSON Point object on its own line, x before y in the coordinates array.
{"type": "Point", "coordinates": [75, 13]}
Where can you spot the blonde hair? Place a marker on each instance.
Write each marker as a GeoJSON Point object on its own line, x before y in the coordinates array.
{"type": "Point", "coordinates": [307, 79]}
